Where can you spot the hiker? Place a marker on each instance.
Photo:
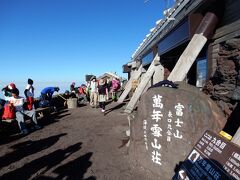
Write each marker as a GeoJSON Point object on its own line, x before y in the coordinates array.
{"type": "Point", "coordinates": [73, 92]}
{"type": "Point", "coordinates": [82, 94]}
{"type": "Point", "coordinates": [46, 97]}
{"type": "Point", "coordinates": [47, 93]}
{"type": "Point", "coordinates": [7, 91]}
{"type": "Point", "coordinates": [73, 89]}
{"type": "Point", "coordinates": [18, 102]}
{"type": "Point", "coordinates": [88, 91]}
{"type": "Point", "coordinates": [94, 92]}
{"type": "Point", "coordinates": [29, 90]}
{"type": "Point", "coordinates": [68, 95]}
{"type": "Point", "coordinates": [65, 97]}
{"type": "Point", "coordinates": [29, 94]}
{"type": "Point", "coordinates": [103, 93]}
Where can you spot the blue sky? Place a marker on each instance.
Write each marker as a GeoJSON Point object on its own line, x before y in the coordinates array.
{"type": "Point", "coordinates": [63, 40]}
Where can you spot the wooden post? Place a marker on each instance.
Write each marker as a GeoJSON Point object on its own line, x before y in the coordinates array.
{"type": "Point", "coordinates": [142, 86]}
{"type": "Point", "coordinates": [158, 74]}
{"type": "Point", "coordinates": [204, 31]}
{"type": "Point", "coordinates": [128, 86]}
{"type": "Point", "coordinates": [188, 57]}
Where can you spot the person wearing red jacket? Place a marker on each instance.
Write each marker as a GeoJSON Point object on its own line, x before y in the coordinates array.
{"type": "Point", "coordinates": [18, 102]}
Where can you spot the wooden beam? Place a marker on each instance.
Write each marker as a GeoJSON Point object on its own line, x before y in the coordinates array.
{"type": "Point", "coordinates": [158, 74]}
{"type": "Point", "coordinates": [227, 37]}
{"type": "Point", "coordinates": [128, 86]}
{"type": "Point", "coordinates": [222, 31]}
{"type": "Point", "coordinates": [147, 76]}
{"type": "Point", "coordinates": [188, 57]}
{"type": "Point", "coordinates": [199, 39]}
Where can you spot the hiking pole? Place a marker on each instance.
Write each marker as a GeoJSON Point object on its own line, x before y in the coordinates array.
{"type": "Point", "coordinates": [65, 100]}
{"type": "Point", "coordinates": [62, 97]}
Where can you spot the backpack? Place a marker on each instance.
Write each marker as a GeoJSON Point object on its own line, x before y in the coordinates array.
{"type": "Point", "coordinates": [115, 84]}
{"type": "Point", "coordinates": [81, 90]}
{"type": "Point", "coordinates": [30, 102]}
{"type": "Point", "coordinates": [102, 89]}
{"type": "Point", "coordinates": [8, 112]}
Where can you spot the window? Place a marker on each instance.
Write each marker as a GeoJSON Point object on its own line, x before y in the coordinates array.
{"type": "Point", "coordinates": [201, 72]}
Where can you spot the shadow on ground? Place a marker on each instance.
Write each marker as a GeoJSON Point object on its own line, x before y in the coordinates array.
{"type": "Point", "coordinates": [114, 106]}
{"type": "Point", "coordinates": [27, 148]}
{"type": "Point", "coordinates": [36, 169]}
{"type": "Point", "coordinates": [74, 169]}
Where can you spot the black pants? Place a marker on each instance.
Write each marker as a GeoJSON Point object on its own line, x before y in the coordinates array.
{"type": "Point", "coordinates": [102, 105]}
{"type": "Point", "coordinates": [47, 97]}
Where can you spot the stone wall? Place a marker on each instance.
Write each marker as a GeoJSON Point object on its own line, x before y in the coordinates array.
{"type": "Point", "coordinates": [224, 86]}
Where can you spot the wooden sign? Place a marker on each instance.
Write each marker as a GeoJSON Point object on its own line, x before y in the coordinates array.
{"type": "Point", "coordinates": [213, 157]}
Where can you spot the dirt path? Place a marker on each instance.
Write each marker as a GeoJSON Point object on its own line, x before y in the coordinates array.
{"type": "Point", "coordinates": [80, 143]}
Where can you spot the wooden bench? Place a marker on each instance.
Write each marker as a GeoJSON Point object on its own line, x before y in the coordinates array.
{"type": "Point", "coordinates": [39, 111]}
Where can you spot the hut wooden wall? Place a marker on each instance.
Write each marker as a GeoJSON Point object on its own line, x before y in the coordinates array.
{"type": "Point", "coordinates": [230, 24]}
{"type": "Point", "coordinates": [231, 13]}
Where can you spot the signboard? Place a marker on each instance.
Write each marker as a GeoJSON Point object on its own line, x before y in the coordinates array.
{"type": "Point", "coordinates": [213, 157]}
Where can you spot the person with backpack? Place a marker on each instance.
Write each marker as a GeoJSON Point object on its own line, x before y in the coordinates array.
{"type": "Point", "coordinates": [17, 102]}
